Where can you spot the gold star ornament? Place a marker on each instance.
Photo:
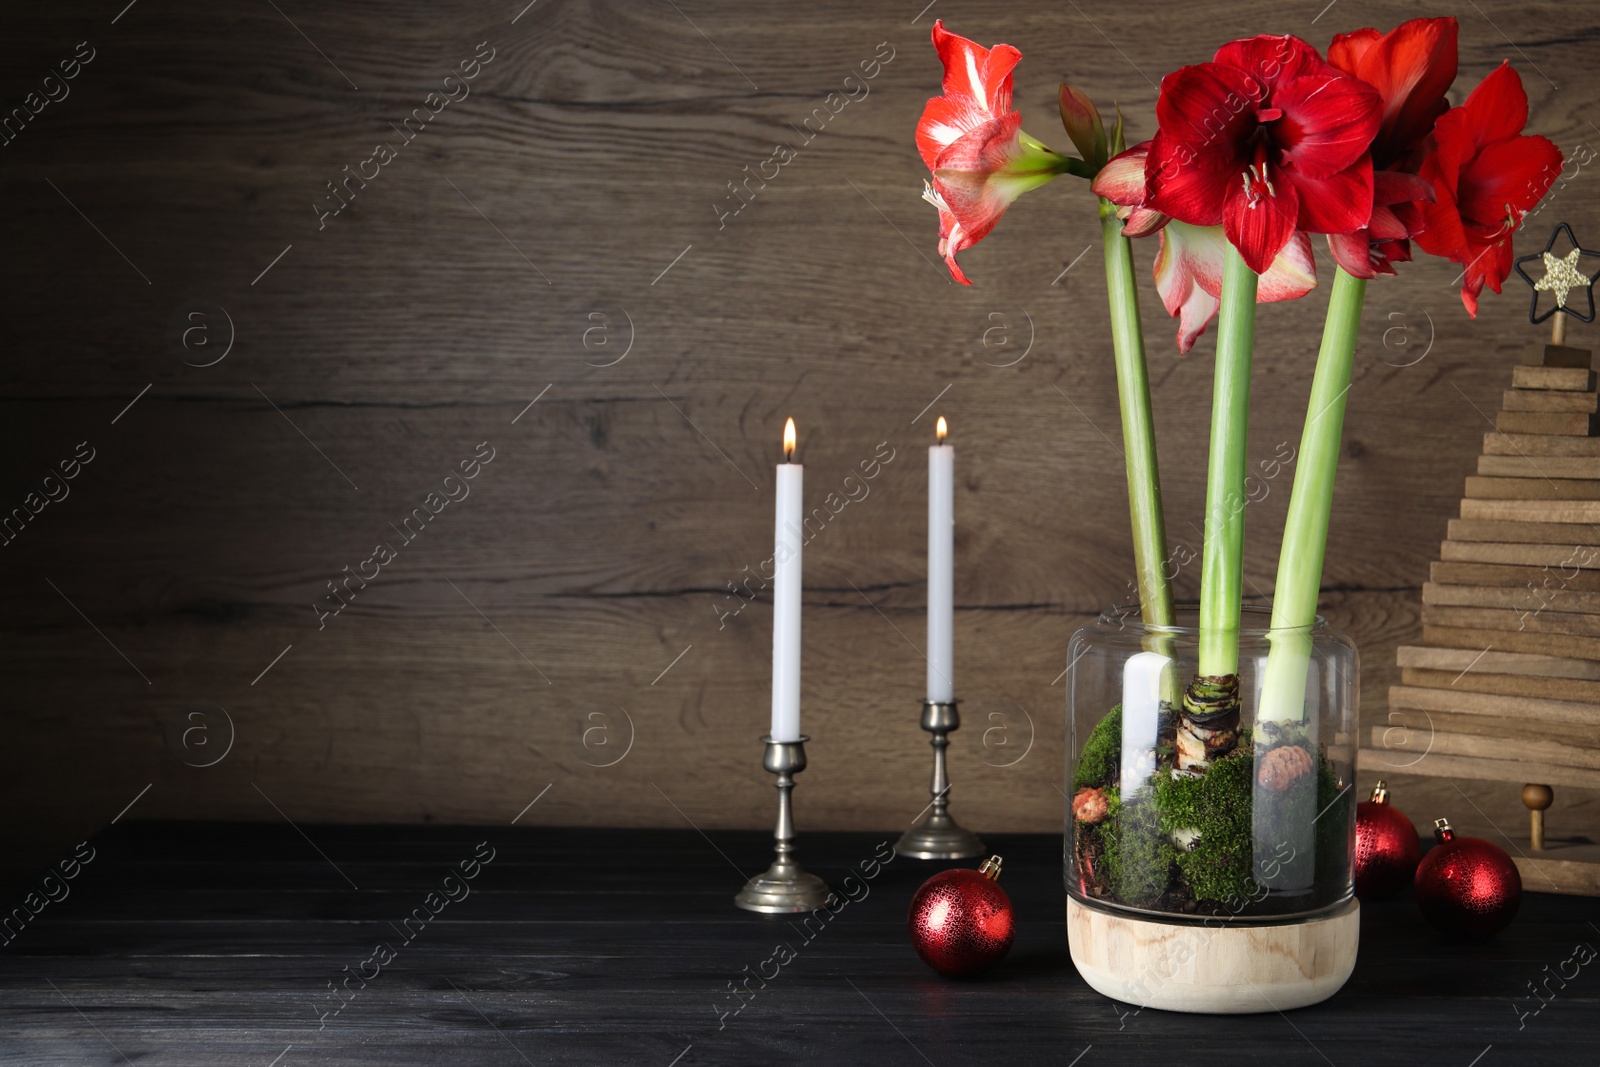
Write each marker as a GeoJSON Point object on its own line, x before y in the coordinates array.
{"type": "Point", "coordinates": [1561, 276]}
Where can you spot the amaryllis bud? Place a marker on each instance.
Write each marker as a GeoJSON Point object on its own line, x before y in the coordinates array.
{"type": "Point", "coordinates": [1082, 120]}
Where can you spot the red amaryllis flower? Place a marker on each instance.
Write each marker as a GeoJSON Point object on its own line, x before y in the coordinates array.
{"type": "Point", "coordinates": [1266, 139]}
{"type": "Point", "coordinates": [1188, 267]}
{"type": "Point", "coordinates": [1411, 66]}
{"type": "Point", "coordinates": [1486, 175]}
{"type": "Point", "coordinates": [973, 143]}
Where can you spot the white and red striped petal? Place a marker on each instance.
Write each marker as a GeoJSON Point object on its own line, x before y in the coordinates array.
{"type": "Point", "coordinates": [1121, 181]}
{"type": "Point", "coordinates": [952, 238]}
{"type": "Point", "coordinates": [977, 89]}
{"type": "Point", "coordinates": [1188, 275]}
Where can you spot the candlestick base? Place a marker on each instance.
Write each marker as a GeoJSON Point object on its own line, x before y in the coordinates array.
{"type": "Point", "coordinates": [939, 836]}
{"type": "Point", "coordinates": [784, 888]}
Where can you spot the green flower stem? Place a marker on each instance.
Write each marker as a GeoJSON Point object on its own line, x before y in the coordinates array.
{"type": "Point", "coordinates": [1138, 425]}
{"type": "Point", "coordinates": [1305, 531]}
{"type": "Point", "coordinates": [1222, 559]}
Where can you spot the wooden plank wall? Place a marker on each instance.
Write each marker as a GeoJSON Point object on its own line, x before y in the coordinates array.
{"type": "Point", "coordinates": [567, 232]}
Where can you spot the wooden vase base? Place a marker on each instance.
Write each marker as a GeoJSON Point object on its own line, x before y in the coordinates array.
{"type": "Point", "coordinates": [1226, 969]}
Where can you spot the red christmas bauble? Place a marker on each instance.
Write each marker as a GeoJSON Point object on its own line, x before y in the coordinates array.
{"type": "Point", "coordinates": [1467, 886]}
{"type": "Point", "coordinates": [961, 921]}
{"type": "Point", "coordinates": [1387, 848]}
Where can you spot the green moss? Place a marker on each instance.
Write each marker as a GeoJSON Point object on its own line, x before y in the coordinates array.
{"type": "Point", "coordinates": [1101, 759]}
{"type": "Point", "coordinates": [1138, 864]}
{"type": "Point", "coordinates": [1217, 804]}
{"type": "Point", "coordinates": [1333, 825]}
{"type": "Point", "coordinates": [1137, 855]}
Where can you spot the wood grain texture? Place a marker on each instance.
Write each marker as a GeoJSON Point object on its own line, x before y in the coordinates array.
{"type": "Point", "coordinates": [1540, 598]}
{"type": "Point", "coordinates": [1375, 760]}
{"type": "Point", "coordinates": [1570, 424]}
{"type": "Point", "coordinates": [1461, 659]}
{"type": "Point", "coordinates": [583, 186]}
{"type": "Point", "coordinates": [1229, 970]}
{"type": "Point", "coordinates": [1551, 620]}
{"type": "Point", "coordinates": [1553, 355]}
{"type": "Point", "coordinates": [1540, 467]}
{"type": "Point", "coordinates": [1511, 531]}
{"type": "Point", "coordinates": [1547, 400]}
{"type": "Point", "coordinates": [1552, 558]}
{"type": "Point", "coordinates": [1556, 378]}
{"type": "Point", "coordinates": [1509, 727]}
{"type": "Point", "coordinates": [1507, 684]}
{"type": "Point", "coordinates": [1500, 740]}
{"type": "Point", "coordinates": [1563, 867]}
{"type": "Point", "coordinates": [1539, 444]}
{"type": "Point", "coordinates": [1585, 512]}
{"type": "Point", "coordinates": [1535, 488]}
{"type": "Point", "coordinates": [1538, 644]}
{"type": "Point", "coordinates": [1469, 703]}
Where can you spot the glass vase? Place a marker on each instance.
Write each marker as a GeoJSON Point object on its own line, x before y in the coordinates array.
{"type": "Point", "coordinates": [1245, 821]}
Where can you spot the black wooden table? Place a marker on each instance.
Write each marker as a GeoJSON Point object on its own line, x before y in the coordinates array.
{"type": "Point", "coordinates": [222, 944]}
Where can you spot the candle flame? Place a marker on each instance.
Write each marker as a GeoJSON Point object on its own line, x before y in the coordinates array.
{"type": "Point", "coordinates": [942, 430]}
{"type": "Point", "coordinates": [788, 441]}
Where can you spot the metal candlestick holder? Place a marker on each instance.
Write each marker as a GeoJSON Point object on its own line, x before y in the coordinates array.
{"type": "Point", "coordinates": [939, 836]}
{"type": "Point", "coordinates": [784, 887]}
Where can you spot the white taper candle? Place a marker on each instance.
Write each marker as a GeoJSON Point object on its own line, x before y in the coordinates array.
{"type": "Point", "coordinates": [788, 540]}
{"type": "Point", "coordinates": [941, 569]}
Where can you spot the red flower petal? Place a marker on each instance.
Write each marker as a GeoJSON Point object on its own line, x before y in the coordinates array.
{"type": "Point", "coordinates": [1142, 222]}
{"type": "Point", "coordinates": [1348, 50]}
{"type": "Point", "coordinates": [1453, 146]}
{"type": "Point", "coordinates": [1390, 252]}
{"type": "Point", "coordinates": [1353, 252]}
{"type": "Point", "coordinates": [1189, 185]}
{"type": "Point", "coordinates": [1328, 122]}
{"type": "Point", "coordinates": [1386, 225]}
{"type": "Point", "coordinates": [1121, 180]}
{"type": "Point", "coordinates": [1292, 275]}
{"type": "Point", "coordinates": [951, 237]}
{"type": "Point", "coordinates": [1398, 187]}
{"type": "Point", "coordinates": [977, 88]}
{"type": "Point", "coordinates": [1209, 106]}
{"type": "Point", "coordinates": [944, 120]}
{"type": "Point", "coordinates": [968, 174]}
{"type": "Point", "coordinates": [1183, 250]}
{"type": "Point", "coordinates": [1260, 227]}
{"type": "Point", "coordinates": [1497, 108]}
{"type": "Point", "coordinates": [1490, 264]}
{"type": "Point", "coordinates": [1337, 204]}
{"type": "Point", "coordinates": [1411, 219]}
{"type": "Point", "coordinates": [1512, 174]}
{"type": "Point", "coordinates": [1442, 232]}
{"type": "Point", "coordinates": [1412, 66]}
{"type": "Point", "coordinates": [1188, 273]}
{"type": "Point", "coordinates": [1271, 60]}
{"type": "Point", "coordinates": [978, 73]}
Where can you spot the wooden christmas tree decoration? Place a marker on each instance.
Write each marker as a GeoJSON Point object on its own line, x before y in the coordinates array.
{"type": "Point", "coordinates": [1505, 684]}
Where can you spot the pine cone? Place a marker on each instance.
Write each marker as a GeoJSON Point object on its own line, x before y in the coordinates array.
{"type": "Point", "coordinates": [1282, 767]}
